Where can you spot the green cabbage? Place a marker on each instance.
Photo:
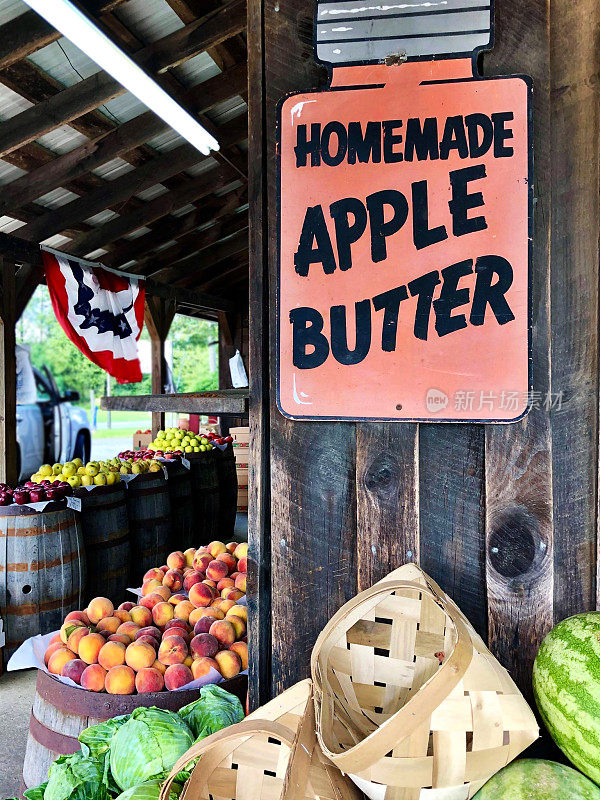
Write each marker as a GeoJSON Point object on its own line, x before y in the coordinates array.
{"type": "Point", "coordinates": [147, 746]}
{"type": "Point", "coordinates": [96, 739]}
{"type": "Point", "coordinates": [214, 710]}
{"type": "Point", "coordinates": [148, 791]}
{"type": "Point", "coordinates": [36, 792]}
{"type": "Point", "coordinates": [76, 777]}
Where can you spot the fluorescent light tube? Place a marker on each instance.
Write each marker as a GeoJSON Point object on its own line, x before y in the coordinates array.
{"type": "Point", "coordinates": [68, 20]}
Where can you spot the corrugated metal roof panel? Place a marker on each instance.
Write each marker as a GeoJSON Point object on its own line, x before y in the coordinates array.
{"type": "Point", "coordinates": [137, 233]}
{"type": "Point", "coordinates": [9, 173]}
{"type": "Point", "coordinates": [97, 253]}
{"type": "Point", "coordinates": [101, 217]}
{"type": "Point", "coordinates": [113, 169]}
{"type": "Point", "coordinates": [9, 224]}
{"type": "Point", "coordinates": [203, 166]}
{"type": "Point", "coordinates": [62, 140]}
{"type": "Point", "coordinates": [64, 62]}
{"type": "Point", "coordinates": [56, 198]}
{"type": "Point", "coordinates": [11, 103]}
{"type": "Point", "coordinates": [164, 245]}
{"type": "Point", "coordinates": [181, 212]}
{"type": "Point", "coordinates": [228, 110]}
{"type": "Point", "coordinates": [152, 192]}
{"type": "Point", "coordinates": [196, 70]}
{"type": "Point", "coordinates": [10, 9]}
{"type": "Point", "coordinates": [56, 241]}
{"type": "Point", "coordinates": [124, 107]}
{"type": "Point", "coordinates": [166, 141]}
{"type": "Point", "coordinates": [149, 20]}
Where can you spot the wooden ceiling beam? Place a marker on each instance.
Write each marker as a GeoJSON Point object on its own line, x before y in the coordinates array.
{"type": "Point", "coordinates": [172, 228]}
{"type": "Point", "coordinates": [120, 141]}
{"type": "Point", "coordinates": [153, 210]}
{"type": "Point", "coordinates": [29, 32]}
{"type": "Point", "coordinates": [91, 92]}
{"type": "Point", "coordinates": [198, 262]}
{"type": "Point", "coordinates": [230, 274]}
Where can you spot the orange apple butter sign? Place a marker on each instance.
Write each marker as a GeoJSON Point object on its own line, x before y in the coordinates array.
{"type": "Point", "coordinates": [404, 229]}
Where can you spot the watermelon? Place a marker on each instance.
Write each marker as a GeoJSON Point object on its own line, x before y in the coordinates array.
{"type": "Point", "coordinates": [566, 684]}
{"type": "Point", "coordinates": [534, 779]}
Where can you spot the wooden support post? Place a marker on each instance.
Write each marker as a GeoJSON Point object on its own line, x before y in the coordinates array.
{"type": "Point", "coordinates": [158, 316]}
{"type": "Point", "coordinates": [9, 470]}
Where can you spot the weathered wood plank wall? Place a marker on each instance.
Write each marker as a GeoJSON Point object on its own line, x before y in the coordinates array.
{"type": "Point", "coordinates": [503, 517]}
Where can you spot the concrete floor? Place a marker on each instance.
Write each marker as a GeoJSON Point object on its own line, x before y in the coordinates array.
{"type": "Point", "coordinates": [16, 696]}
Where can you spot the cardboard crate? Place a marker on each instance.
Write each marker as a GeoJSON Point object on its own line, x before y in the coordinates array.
{"type": "Point", "coordinates": [141, 440]}
{"type": "Point", "coordinates": [240, 435]}
{"type": "Point", "coordinates": [242, 476]}
{"type": "Point", "coordinates": [242, 456]}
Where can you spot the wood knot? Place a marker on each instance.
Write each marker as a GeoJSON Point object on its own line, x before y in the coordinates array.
{"type": "Point", "coordinates": [515, 546]}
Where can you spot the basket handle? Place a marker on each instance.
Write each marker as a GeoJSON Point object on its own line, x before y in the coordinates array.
{"type": "Point", "coordinates": [224, 741]}
{"type": "Point", "coordinates": [407, 719]}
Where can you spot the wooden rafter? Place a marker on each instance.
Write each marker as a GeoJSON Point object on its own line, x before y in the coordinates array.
{"type": "Point", "coordinates": [91, 92]}
{"type": "Point", "coordinates": [205, 259]}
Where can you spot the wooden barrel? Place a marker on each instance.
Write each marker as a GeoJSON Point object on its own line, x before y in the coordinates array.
{"type": "Point", "coordinates": [61, 712]}
{"type": "Point", "coordinates": [149, 514]}
{"type": "Point", "coordinates": [183, 528]}
{"type": "Point", "coordinates": [105, 531]}
{"type": "Point", "coordinates": [228, 490]}
{"type": "Point", "coordinates": [205, 494]}
{"type": "Point", "coordinates": [42, 570]}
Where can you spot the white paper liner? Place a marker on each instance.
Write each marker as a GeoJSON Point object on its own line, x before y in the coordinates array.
{"type": "Point", "coordinates": [30, 655]}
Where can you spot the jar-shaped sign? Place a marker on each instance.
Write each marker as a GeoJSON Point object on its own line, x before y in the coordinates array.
{"type": "Point", "coordinates": [405, 202]}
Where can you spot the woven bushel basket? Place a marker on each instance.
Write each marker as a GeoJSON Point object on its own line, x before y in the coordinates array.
{"type": "Point", "coordinates": [272, 755]}
{"type": "Point", "coordinates": [409, 701]}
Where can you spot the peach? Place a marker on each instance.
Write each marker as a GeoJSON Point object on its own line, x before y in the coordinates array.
{"type": "Point", "coordinates": [208, 582]}
{"type": "Point", "coordinates": [189, 555]}
{"type": "Point", "coordinates": [175, 599]}
{"type": "Point", "coordinates": [68, 628]}
{"type": "Point", "coordinates": [243, 565]}
{"type": "Point", "coordinates": [183, 610]}
{"type": "Point", "coordinates": [216, 547]}
{"type": "Point", "coordinates": [150, 630]}
{"type": "Point", "coordinates": [188, 662]}
{"type": "Point", "coordinates": [173, 650]}
{"type": "Point", "coordinates": [231, 547]}
{"type": "Point", "coordinates": [225, 605]}
{"type": "Point", "coordinates": [110, 624]}
{"type": "Point", "coordinates": [190, 579]}
{"type": "Point", "coordinates": [150, 586]}
{"type": "Point", "coordinates": [90, 646]}
{"type": "Point", "coordinates": [52, 648]}
{"type": "Point", "coordinates": [141, 616]}
{"type": "Point", "coordinates": [195, 615]}
{"type": "Point", "coordinates": [77, 616]}
{"type": "Point", "coordinates": [154, 574]}
{"type": "Point", "coordinates": [202, 667]}
{"type": "Point", "coordinates": [93, 678]}
{"type": "Point", "coordinates": [223, 631]}
{"type": "Point", "coordinates": [240, 582]}
{"type": "Point", "coordinates": [128, 629]}
{"type": "Point", "coordinates": [162, 613]}
{"type": "Point", "coordinates": [149, 640]}
{"type": "Point", "coordinates": [204, 645]}
{"type": "Point", "coordinates": [239, 626]}
{"type": "Point", "coordinates": [160, 667]}
{"type": "Point", "coordinates": [201, 595]}
{"type": "Point", "coordinates": [234, 575]}
{"type": "Point", "coordinates": [177, 675]}
{"type": "Point", "coordinates": [58, 659]}
{"type": "Point", "coordinates": [233, 594]}
{"type": "Point", "coordinates": [177, 623]}
{"type": "Point", "coordinates": [151, 600]}
{"type": "Point", "coordinates": [241, 648]}
{"type": "Point", "coordinates": [217, 570]}
{"type": "Point", "coordinates": [127, 606]}
{"type": "Point", "coordinates": [176, 560]}
{"type": "Point", "coordinates": [203, 625]}
{"type": "Point", "coordinates": [239, 611]}
{"type": "Point", "coordinates": [99, 608]}
{"type": "Point", "coordinates": [230, 664]}
{"type": "Point", "coordinates": [123, 615]}
{"type": "Point", "coordinates": [76, 637]}
{"type": "Point", "coordinates": [112, 655]}
{"type": "Point", "coordinates": [164, 592]}
{"type": "Point", "coordinates": [216, 603]}
{"type": "Point", "coordinates": [56, 638]}
{"type": "Point", "coordinates": [120, 680]}
{"type": "Point", "coordinates": [202, 560]}
{"type": "Point", "coordinates": [228, 560]}
{"type": "Point", "coordinates": [74, 670]}
{"type": "Point", "coordinates": [140, 655]}
{"type": "Point", "coordinates": [173, 580]}
{"type": "Point", "coordinates": [241, 551]}
{"type": "Point", "coordinates": [119, 637]}
{"type": "Point", "coordinates": [149, 680]}
{"type": "Point", "coordinates": [225, 583]}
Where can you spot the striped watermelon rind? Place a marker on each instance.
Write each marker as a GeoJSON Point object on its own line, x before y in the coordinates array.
{"type": "Point", "coordinates": [566, 684]}
{"type": "Point", "coordinates": [534, 779]}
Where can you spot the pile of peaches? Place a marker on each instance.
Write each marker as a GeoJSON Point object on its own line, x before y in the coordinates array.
{"type": "Point", "coordinates": [188, 621]}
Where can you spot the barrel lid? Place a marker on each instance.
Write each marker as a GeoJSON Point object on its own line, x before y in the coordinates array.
{"type": "Point", "coordinates": [371, 32]}
{"type": "Point", "coordinates": [27, 511]}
